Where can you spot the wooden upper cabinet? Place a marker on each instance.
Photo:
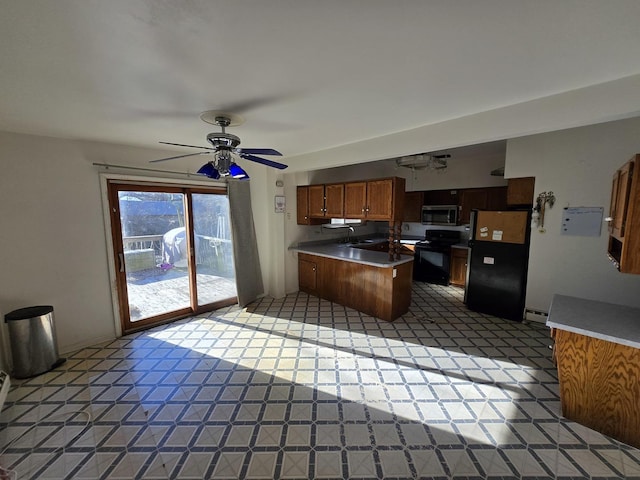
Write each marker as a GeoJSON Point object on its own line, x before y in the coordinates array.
{"type": "Point", "coordinates": [471, 198]}
{"type": "Point", "coordinates": [355, 199]}
{"type": "Point", "coordinates": [334, 200]}
{"type": "Point", "coordinates": [413, 202]}
{"type": "Point", "coordinates": [520, 191]}
{"type": "Point", "coordinates": [303, 216]}
{"type": "Point", "coordinates": [316, 201]}
{"type": "Point", "coordinates": [441, 197]}
{"type": "Point", "coordinates": [620, 193]}
{"type": "Point", "coordinates": [385, 199]}
{"type": "Point", "coordinates": [624, 226]}
{"type": "Point", "coordinates": [373, 200]}
{"type": "Point", "coordinates": [302, 205]}
{"type": "Point", "coordinates": [614, 201]}
{"type": "Point", "coordinates": [380, 199]}
{"type": "Point", "coordinates": [497, 198]}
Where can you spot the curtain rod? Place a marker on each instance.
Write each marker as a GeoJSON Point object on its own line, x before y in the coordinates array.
{"type": "Point", "coordinates": [127, 167]}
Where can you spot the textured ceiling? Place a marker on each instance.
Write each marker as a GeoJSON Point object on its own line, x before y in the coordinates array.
{"type": "Point", "coordinates": [306, 75]}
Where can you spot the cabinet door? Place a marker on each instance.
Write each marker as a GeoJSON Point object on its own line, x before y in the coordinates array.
{"type": "Point", "coordinates": [458, 269]}
{"type": "Point", "coordinates": [334, 200]}
{"type": "Point", "coordinates": [520, 191]}
{"type": "Point", "coordinates": [316, 201]}
{"type": "Point", "coordinates": [380, 199]}
{"type": "Point", "coordinates": [469, 199]}
{"type": "Point", "coordinates": [497, 198]}
{"type": "Point", "coordinates": [441, 197]}
{"type": "Point", "coordinates": [413, 206]}
{"type": "Point", "coordinates": [302, 205]}
{"type": "Point", "coordinates": [355, 199]}
{"type": "Point", "coordinates": [614, 200]}
{"type": "Point", "coordinates": [623, 188]}
{"type": "Point", "coordinates": [307, 275]}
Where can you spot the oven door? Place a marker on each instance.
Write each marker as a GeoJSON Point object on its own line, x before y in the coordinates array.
{"type": "Point", "coordinates": [432, 265]}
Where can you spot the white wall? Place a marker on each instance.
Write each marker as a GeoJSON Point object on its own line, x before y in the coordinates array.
{"type": "Point", "coordinates": [462, 172]}
{"type": "Point", "coordinates": [577, 165]}
{"type": "Point", "coordinates": [53, 242]}
{"type": "Point", "coordinates": [54, 247]}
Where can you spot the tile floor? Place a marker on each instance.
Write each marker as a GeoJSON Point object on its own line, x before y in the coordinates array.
{"type": "Point", "coordinates": [302, 388]}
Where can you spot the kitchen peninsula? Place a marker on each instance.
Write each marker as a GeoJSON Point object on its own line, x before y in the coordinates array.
{"type": "Point", "coordinates": [365, 280]}
{"type": "Point", "coordinates": [597, 351]}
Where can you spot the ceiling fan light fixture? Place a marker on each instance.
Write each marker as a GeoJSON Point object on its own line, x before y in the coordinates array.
{"type": "Point", "coordinates": [235, 171]}
{"type": "Point", "coordinates": [223, 146]}
{"type": "Point", "coordinates": [209, 170]}
{"type": "Point", "coordinates": [424, 161]}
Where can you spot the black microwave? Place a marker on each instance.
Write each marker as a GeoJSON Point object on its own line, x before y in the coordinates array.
{"type": "Point", "coordinates": [440, 215]}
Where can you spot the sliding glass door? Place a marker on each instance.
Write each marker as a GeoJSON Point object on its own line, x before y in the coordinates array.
{"type": "Point", "coordinates": [173, 252]}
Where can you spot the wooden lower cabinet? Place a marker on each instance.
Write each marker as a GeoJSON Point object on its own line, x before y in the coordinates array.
{"type": "Point", "coordinates": [599, 384]}
{"type": "Point", "coordinates": [308, 275]}
{"type": "Point", "coordinates": [376, 291]}
{"type": "Point", "coordinates": [458, 268]}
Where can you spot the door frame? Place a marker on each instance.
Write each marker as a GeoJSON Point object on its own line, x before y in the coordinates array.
{"type": "Point", "coordinates": [112, 245]}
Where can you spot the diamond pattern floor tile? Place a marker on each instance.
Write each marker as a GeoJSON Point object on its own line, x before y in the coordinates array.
{"type": "Point", "coordinates": [302, 388]}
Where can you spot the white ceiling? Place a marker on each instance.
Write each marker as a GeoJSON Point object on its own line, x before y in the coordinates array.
{"type": "Point", "coordinates": [307, 75]}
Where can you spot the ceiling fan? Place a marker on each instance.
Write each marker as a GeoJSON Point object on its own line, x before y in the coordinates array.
{"type": "Point", "coordinates": [424, 160]}
{"type": "Point", "coordinates": [225, 145]}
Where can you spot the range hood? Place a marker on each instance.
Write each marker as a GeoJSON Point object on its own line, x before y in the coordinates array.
{"type": "Point", "coordinates": [343, 223]}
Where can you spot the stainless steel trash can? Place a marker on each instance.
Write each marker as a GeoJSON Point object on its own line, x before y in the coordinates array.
{"type": "Point", "coordinates": [33, 341]}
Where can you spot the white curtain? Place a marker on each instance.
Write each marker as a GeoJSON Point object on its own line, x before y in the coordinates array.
{"type": "Point", "coordinates": [245, 248]}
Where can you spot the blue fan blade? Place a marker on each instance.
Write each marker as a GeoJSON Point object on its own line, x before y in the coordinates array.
{"type": "Point", "coordinates": [259, 151]}
{"type": "Point", "coordinates": [264, 161]}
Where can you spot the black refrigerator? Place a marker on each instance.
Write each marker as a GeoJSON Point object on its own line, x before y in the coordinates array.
{"type": "Point", "coordinates": [498, 259]}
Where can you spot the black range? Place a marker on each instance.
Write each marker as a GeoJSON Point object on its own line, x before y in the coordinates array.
{"type": "Point", "coordinates": [433, 256]}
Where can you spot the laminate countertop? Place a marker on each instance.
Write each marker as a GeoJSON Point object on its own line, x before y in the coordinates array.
{"type": "Point", "coordinates": [350, 253]}
{"type": "Point", "coordinates": [605, 321]}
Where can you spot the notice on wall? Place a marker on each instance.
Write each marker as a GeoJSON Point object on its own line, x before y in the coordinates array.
{"type": "Point", "coordinates": [496, 235]}
{"type": "Point", "coordinates": [582, 221]}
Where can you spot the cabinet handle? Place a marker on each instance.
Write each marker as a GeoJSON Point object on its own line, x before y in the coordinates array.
{"type": "Point", "coordinates": [362, 209]}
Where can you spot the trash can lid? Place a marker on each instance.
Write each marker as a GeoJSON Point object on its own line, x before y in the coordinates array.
{"type": "Point", "coordinates": [28, 312]}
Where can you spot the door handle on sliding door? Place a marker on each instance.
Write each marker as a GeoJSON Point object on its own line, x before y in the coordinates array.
{"type": "Point", "coordinates": [121, 261]}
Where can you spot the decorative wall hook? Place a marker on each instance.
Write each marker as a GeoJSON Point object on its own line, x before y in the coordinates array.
{"type": "Point", "coordinates": [538, 210]}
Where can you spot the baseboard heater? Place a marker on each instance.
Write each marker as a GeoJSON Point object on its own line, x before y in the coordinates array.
{"type": "Point", "coordinates": [535, 315]}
